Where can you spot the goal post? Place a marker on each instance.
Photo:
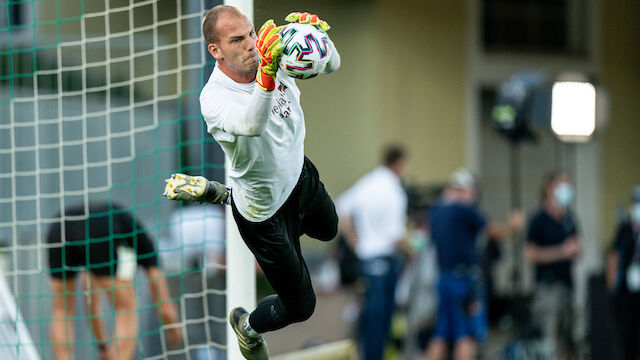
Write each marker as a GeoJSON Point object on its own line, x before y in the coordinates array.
{"type": "Point", "coordinates": [15, 340]}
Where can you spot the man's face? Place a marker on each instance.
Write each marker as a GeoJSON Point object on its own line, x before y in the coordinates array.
{"type": "Point", "coordinates": [236, 48]}
{"type": "Point", "coordinates": [561, 192]}
{"type": "Point", "coordinates": [400, 167]}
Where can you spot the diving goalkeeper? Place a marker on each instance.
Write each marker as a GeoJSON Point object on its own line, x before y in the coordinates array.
{"type": "Point", "coordinates": [254, 113]}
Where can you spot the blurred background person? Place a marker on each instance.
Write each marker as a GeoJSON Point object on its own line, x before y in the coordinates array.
{"type": "Point", "coordinates": [623, 279]}
{"type": "Point", "coordinates": [165, 309]}
{"type": "Point", "coordinates": [109, 243]}
{"type": "Point", "coordinates": [373, 216]}
{"type": "Point", "coordinates": [421, 274]}
{"type": "Point", "coordinates": [455, 224]}
{"type": "Point", "coordinates": [552, 246]}
{"type": "Point", "coordinates": [196, 247]}
{"type": "Point", "coordinates": [197, 237]}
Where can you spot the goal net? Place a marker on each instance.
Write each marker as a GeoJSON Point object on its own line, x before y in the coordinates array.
{"type": "Point", "coordinates": [99, 104]}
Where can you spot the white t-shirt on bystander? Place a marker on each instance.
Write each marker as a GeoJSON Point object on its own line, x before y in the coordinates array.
{"type": "Point", "coordinates": [377, 204]}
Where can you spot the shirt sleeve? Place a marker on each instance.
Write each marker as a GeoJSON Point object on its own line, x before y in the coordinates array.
{"type": "Point", "coordinates": [234, 118]}
{"type": "Point", "coordinates": [334, 61]}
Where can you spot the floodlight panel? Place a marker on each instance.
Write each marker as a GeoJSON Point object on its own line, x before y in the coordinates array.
{"type": "Point", "coordinates": [573, 109]}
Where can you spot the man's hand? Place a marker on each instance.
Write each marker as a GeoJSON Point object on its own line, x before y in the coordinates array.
{"type": "Point", "coordinates": [306, 18]}
{"type": "Point", "coordinates": [195, 188]}
{"type": "Point", "coordinates": [571, 248]}
{"type": "Point", "coordinates": [269, 47]}
{"type": "Point", "coordinates": [516, 220]}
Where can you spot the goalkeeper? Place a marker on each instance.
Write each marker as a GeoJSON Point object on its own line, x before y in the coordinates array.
{"type": "Point", "coordinates": [254, 113]}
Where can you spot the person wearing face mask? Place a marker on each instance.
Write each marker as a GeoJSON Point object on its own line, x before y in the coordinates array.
{"type": "Point", "coordinates": [455, 224]}
{"type": "Point", "coordinates": [623, 278]}
{"type": "Point", "coordinates": [552, 246]}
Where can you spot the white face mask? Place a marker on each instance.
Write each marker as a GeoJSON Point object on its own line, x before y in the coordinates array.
{"type": "Point", "coordinates": [635, 213]}
{"type": "Point", "coordinates": [563, 195]}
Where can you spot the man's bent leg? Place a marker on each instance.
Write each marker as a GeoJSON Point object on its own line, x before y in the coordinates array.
{"type": "Point", "coordinates": [317, 210]}
{"type": "Point", "coordinates": [321, 222]}
{"type": "Point", "coordinates": [61, 327]}
{"type": "Point", "coordinates": [275, 244]}
{"type": "Point", "coordinates": [272, 313]}
{"type": "Point", "coordinates": [122, 296]}
{"type": "Point", "coordinates": [372, 319]}
{"type": "Point", "coordinates": [437, 349]}
{"type": "Point", "coordinates": [464, 349]}
{"type": "Point", "coordinates": [378, 305]}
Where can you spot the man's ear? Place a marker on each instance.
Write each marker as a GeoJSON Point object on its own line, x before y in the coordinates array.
{"type": "Point", "coordinates": [214, 50]}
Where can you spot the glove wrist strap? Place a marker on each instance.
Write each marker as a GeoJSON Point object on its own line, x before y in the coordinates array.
{"type": "Point", "coordinates": [216, 193]}
{"type": "Point", "coordinates": [266, 82]}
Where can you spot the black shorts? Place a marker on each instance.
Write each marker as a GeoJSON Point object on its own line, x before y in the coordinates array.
{"type": "Point", "coordinates": [96, 243]}
{"type": "Point", "coordinates": [275, 242]}
{"type": "Point", "coordinates": [98, 256]}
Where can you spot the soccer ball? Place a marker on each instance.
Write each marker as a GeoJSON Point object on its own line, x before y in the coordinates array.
{"type": "Point", "coordinates": [305, 52]}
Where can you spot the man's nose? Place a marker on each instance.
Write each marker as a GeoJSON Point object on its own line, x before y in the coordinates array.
{"type": "Point", "coordinates": [250, 43]}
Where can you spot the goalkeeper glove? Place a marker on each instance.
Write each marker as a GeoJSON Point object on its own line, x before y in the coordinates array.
{"type": "Point", "coordinates": [196, 188]}
{"type": "Point", "coordinates": [269, 46]}
{"type": "Point", "coordinates": [306, 18]}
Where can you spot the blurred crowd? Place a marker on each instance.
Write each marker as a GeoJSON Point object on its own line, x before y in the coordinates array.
{"type": "Point", "coordinates": [422, 275]}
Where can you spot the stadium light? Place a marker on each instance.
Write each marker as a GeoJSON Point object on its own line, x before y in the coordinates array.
{"type": "Point", "coordinates": [573, 110]}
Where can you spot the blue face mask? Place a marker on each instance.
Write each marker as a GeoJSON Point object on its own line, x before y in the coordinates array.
{"type": "Point", "coordinates": [564, 195]}
{"type": "Point", "coordinates": [635, 213]}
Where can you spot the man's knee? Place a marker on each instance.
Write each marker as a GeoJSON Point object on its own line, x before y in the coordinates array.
{"type": "Point", "coordinates": [302, 310]}
{"type": "Point", "coordinates": [325, 231]}
{"type": "Point", "coordinates": [332, 230]}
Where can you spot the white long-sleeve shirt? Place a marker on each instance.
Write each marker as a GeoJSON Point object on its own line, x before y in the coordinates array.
{"type": "Point", "coordinates": [262, 135]}
{"type": "Point", "coordinates": [377, 204]}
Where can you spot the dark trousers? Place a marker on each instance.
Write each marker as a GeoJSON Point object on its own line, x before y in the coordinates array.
{"type": "Point", "coordinates": [627, 312]}
{"type": "Point", "coordinates": [275, 243]}
{"type": "Point", "coordinates": [381, 276]}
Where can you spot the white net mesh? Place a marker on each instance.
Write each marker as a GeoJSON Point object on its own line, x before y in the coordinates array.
{"type": "Point", "coordinates": [100, 103]}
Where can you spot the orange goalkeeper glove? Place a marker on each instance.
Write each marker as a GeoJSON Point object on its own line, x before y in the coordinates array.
{"type": "Point", "coordinates": [306, 18]}
{"type": "Point", "coordinates": [269, 46]}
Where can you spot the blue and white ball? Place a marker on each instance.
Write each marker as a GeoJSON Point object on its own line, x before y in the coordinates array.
{"type": "Point", "coordinates": [305, 52]}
